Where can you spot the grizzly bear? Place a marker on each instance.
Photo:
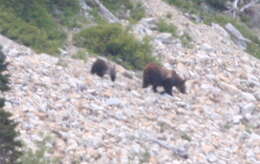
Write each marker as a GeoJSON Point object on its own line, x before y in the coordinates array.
{"type": "Point", "coordinates": [156, 75]}
{"type": "Point", "coordinates": [101, 67]}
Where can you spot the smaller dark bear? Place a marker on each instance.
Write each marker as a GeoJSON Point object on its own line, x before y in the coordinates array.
{"type": "Point", "coordinates": [101, 67]}
{"type": "Point", "coordinates": [156, 75]}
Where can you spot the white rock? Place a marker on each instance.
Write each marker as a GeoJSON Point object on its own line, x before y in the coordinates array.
{"type": "Point", "coordinates": [220, 29]}
{"type": "Point", "coordinates": [248, 109]}
{"type": "Point", "coordinates": [165, 38]}
{"type": "Point", "coordinates": [248, 96]}
{"type": "Point", "coordinates": [211, 157]}
{"type": "Point", "coordinates": [237, 119]}
{"type": "Point", "coordinates": [206, 47]}
{"type": "Point", "coordinates": [257, 95]}
{"type": "Point", "coordinates": [239, 38]}
{"type": "Point", "coordinates": [113, 101]}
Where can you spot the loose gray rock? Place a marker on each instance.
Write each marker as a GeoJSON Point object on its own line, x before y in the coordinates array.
{"type": "Point", "coordinates": [248, 109]}
{"type": "Point", "coordinates": [165, 38]}
{"type": "Point", "coordinates": [238, 37]}
{"type": "Point", "coordinates": [106, 122]}
{"type": "Point", "coordinates": [211, 157]}
{"type": "Point", "coordinates": [113, 101]}
{"type": "Point", "coordinates": [237, 119]}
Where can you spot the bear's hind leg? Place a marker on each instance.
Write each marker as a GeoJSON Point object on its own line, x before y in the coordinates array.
{"type": "Point", "coordinates": [168, 90]}
{"type": "Point", "coordinates": [145, 83]}
{"type": "Point", "coordinates": [155, 88]}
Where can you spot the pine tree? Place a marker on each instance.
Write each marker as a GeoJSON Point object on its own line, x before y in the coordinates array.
{"type": "Point", "coordinates": [9, 145]}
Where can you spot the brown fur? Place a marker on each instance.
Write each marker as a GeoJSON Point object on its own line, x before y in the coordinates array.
{"type": "Point", "coordinates": [156, 75]}
{"type": "Point", "coordinates": [101, 67]}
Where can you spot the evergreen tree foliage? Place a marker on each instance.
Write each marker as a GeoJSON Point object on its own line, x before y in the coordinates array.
{"type": "Point", "coordinates": [9, 145]}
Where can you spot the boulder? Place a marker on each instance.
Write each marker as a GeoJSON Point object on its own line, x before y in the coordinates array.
{"type": "Point", "coordinates": [239, 39]}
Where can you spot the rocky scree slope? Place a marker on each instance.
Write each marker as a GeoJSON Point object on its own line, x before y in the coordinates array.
{"type": "Point", "coordinates": [93, 120]}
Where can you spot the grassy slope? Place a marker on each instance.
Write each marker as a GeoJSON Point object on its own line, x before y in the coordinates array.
{"type": "Point", "coordinates": [37, 23]}
{"type": "Point", "coordinates": [215, 16]}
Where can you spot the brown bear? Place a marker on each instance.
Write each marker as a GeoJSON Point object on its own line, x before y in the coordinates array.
{"type": "Point", "coordinates": [156, 75]}
{"type": "Point", "coordinates": [101, 67]}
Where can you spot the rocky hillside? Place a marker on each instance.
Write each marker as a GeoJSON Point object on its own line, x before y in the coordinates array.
{"type": "Point", "coordinates": [92, 120]}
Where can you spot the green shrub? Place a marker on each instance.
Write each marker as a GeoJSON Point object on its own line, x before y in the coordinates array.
{"type": "Point", "coordinates": [40, 155]}
{"type": "Point", "coordinates": [137, 12]}
{"type": "Point", "coordinates": [114, 5]}
{"type": "Point", "coordinates": [186, 5]}
{"type": "Point", "coordinates": [186, 40]}
{"type": "Point", "coordinates": [254, 49]}
{"type": "Point", "coordinates": [81, 54]}
{"type": "Point", "coordinates": [113, 41]}
{"type": "Point", "coordinates": [194, 6]}
{"type": "Point", "coordinates": [217, 4]}
{"type": "Point", "coordinates": [9, 145]}
{"type": "Point", "coordinates": [37, 23]}
{"type": "Point", "coordinates": [35, 10]}
{"type": "Point", "coordinates": [163, 26]}
{"type": "Point", "coordinates": [30, 35]}
{"type": "Point", "coordinates": [97, 17]}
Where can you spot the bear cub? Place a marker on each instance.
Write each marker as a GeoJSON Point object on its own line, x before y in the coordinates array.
{"type": "Point", "coordinates": [101, 67]}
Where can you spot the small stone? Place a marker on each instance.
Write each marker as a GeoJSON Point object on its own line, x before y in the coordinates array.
{"type": "Point", "coordinates": [96, 107]}
{"type": "Point", "coordinates": [211, 157]}
{"type": "Point", "coordinates": [248, 109]}
{"type": "Point", "coordinates": [248, 96]}
{"type": "Point", "coordinates": [136, 149]}
{"type": "Point", "coordinates": [135, 93]}
{"type": "Point", "coordinates": [182, 152]}
{"type": "Point", "coordinates": [148, 21]}
{"type": "Point", "coordinates": [108, 93]}
{"type": "Point", "coordinates": [257, 156]}
{"type": "Point", "coordinates": [229, 88]}
{"type": "Point", "coordinates": [153, 160]}
{"type": "Point", "coordinates": [182, 104]}
{"type": "Point", "coordinates": [207, 148]}
{"type": "Point", "coordinates": [165, 38]}
{"type": "Point", "coordinates": [128, 74]}
{"type": "Point", "coordinates": [257, 95]}
{"type": "Point", "coordinates": [220, 29]}
{"type": "Point", "coordinates": [206, 47]}
{"type": "Point", "coordinates": [113, 101]}
{"type": "Point", "coordinates": [237, 119]}
{"type": "Point", "coordinates": [72, 144]}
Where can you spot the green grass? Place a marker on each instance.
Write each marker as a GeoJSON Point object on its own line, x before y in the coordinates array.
{"type": "Point", "coordinates": [113, 41]}
{"type": "Point", "coordinates": [38, 23]}
{"type": "Point", "coordinates": [222, 19]}
{"type": "Point", "coordinates": [252, 48]}
{"type": "Point", "coordinates": [186, 40]}
{"type": "Point", "coordinates": [163, 26]}
{"type": "Point", "coordinates": [137, 13]}
{"type": "Point", "coordinates": [40, 155]}
{"type": "Point", "coordinates": [185, 5]}
{"type": "Point", "coordinates": [83, 55]}
{"type": "Point", "coordinates": [97, 17]}
{"type": "Point", "coordinates": [29, 34]}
